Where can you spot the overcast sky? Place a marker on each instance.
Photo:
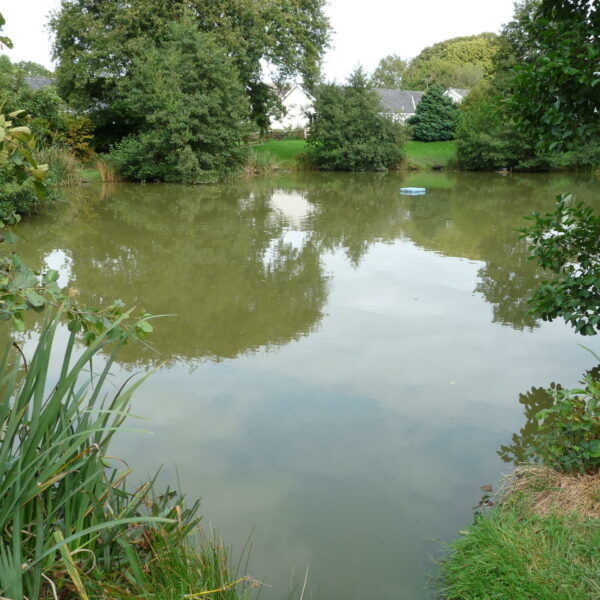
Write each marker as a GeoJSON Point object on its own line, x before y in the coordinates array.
{"type": "Point", "coordinates": [364, 30]}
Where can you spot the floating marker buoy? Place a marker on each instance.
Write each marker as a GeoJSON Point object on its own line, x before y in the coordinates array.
{"type": "Point", "coordinates": [413, 191]}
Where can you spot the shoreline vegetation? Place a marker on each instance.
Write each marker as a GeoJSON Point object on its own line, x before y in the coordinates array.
{"type": "Point", "coordinates": [540, 539]}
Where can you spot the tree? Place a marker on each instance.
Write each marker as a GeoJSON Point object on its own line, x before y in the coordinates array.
{"type": "Point", "coordinates": [348, 131]}
{"type": "Point", "coordinates": [389, 72]}
{"type": "Point", "coordinates": [97, 41]}
{"type": "Point", "coordinates": [556, 88]}
{"type": "Point", "coordinates": [458, 62]}
{"type": "Point", "coordinates": [435, 116]}
{"type": "Point", "coordinates": [189, 108]}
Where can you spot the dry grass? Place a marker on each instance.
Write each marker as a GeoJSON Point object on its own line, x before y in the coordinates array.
{"type": "Point", "coordinates": [552, 492]}
{"type": "Point", "coordinates": [107, 173]}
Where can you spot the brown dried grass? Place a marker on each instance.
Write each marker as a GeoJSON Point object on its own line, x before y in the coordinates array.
{"type": "Point", "coordinates": [107, 173]}
{"type": "Point", "coordinates": [552, 492]}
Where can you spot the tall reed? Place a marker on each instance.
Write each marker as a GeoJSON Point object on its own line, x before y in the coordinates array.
{"type": "Point", "coordinates": [64, 169]}
{"type": "Point", "coordinates": [107, 173]}
{"type": "Point", "coordinates": [68, 518]}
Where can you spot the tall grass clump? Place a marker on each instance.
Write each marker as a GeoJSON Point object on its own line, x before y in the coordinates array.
{"type": "Point", "coordinates": [64, 169]}
{"type": "Point", "coordinates": [107, 173]}
{"type": "Point", "coordinates": [258, 162]}
{"type": "Point", "coordinates": [72, 526]}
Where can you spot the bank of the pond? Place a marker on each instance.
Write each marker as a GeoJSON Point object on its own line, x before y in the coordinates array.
{"type": "Point", "coordinates": [541, 541]}
{"type": "Point", "coordinates": [419, 155]}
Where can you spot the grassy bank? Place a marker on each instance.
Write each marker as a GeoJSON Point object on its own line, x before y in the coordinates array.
{"type": "Point", "coordinates": [542, 541]}
{"type": "Point", "coordinates": [426, 155]}
{"type": "Point", "coordinates": [419, 155]}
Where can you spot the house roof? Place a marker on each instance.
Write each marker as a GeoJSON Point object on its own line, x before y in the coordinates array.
{"type": "Point", "coordinates": [404, 101]}
{"type": "Point", "coordinates": [39, 83]}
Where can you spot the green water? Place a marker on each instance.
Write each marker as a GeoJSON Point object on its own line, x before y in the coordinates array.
{"type": "Point", "coordinates": [343, 364]}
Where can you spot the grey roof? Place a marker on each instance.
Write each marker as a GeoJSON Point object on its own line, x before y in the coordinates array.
{"type": "Point", "coordinates": [399, 101]}
{"type": "Point", "coordinates": [39, 83]}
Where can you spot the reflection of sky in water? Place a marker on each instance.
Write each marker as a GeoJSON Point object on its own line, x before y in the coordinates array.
{"type": "Point", "coordinates": [354, 449]}
{"type": "Point", "coordinates": [60, 261]}
{"type": "Point", "coordinates": [355, 445]}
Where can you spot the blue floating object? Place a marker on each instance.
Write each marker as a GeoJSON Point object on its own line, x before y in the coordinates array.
{"type": "Point", "coordinates": [413, 191]}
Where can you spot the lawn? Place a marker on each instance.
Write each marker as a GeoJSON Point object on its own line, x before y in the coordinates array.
{"type": "Point", "coordinates": [283, 150]}
{"type": "Point", "coordinates": [430, 154]}
{"type": "Point", "coordinates": [423, 155]}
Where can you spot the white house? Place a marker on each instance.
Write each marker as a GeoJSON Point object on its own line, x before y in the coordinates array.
{"type": "Point", "coordinates": [400, 105]}
{"type": "Point", "coordinates": [295, 102]}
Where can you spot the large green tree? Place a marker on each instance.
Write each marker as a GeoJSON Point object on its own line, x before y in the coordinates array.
{"type": "Point", "coordinates": [348, 131]}
{"type": "Point", "coordinates": [97, 41]}
{"type": "Point", "coordinates": [188, 107]}
{"type": "Point", "coordinates": [457, 62]}
{"type": "Point", "coordinates": [556, 88]}
{"type": "Point", "coordinates": [435, 116]}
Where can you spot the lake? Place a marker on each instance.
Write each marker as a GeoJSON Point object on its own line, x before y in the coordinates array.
{"type": "Point", "coordinates": [341, 364]}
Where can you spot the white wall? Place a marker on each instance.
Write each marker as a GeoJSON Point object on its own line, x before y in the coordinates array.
{"type": "Point", "coordinates": [296, 103]}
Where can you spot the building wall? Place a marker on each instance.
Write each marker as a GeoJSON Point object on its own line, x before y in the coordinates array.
{"type": "Point", "coordinates": [296, 103]}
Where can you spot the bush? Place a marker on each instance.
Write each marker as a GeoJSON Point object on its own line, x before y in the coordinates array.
{"type": "Point", "coordinates": [565, 243]}
{"type": "Point", "coordinates": [568, 438]}
{"type": "Point", "coordinates": [184, 94]}
{"type": "Point", "coordinates": [77, 136]}
{"type": "Point", "coordinates": [348, 131]}
{"type": "Point", "coordinates": [435, 116]}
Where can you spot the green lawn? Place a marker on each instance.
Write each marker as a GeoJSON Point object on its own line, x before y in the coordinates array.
{"type": "Point", "coordinates": [283, 150]}
{"type": "Point", "coordinates": [430, 154]}
{"type": "Point", "coordinates": [423, 155]}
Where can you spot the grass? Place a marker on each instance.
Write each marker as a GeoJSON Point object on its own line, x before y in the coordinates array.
{"type": "Point", "coordinates": [91, 175]}
{"type": "Point", "coordinates": [285, 151]}
{"type": "Point", "coordinates": [530, 546]}
{"type": "Point", "coordinates": [419, 155]}
{"type": "Point", "coordinates": [72, 525]}
{"type": "Point", "coordinates": [425, 155]}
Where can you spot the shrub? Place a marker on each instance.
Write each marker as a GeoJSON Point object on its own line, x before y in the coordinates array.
{"type": "Point", "coordinates": [77, 136]}
{"type": "Point", "coordinates": [435, 116]}
{"type": "Point", "coordinates": [348, 131]}
{"type": "Point", "coordinates": [568, 438]}
{"type": "Point", "coordinates": [184, 93]}
{"type": "Point", "coordinates": [565, 243]}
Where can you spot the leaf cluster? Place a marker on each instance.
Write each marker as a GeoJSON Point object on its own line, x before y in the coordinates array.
{"type": "Point", "coordinates": [566, 242]}
{"type": "Point", "coordinates": [556, 86]}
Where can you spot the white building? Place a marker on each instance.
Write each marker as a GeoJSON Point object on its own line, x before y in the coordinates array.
{"type": "Point", "coordinates": [400, 105]}
{"type": "Point", "coordinates": [295, 102]}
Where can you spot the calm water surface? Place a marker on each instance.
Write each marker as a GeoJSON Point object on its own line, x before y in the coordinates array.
{"type": "Point", "coordinates": [344, 362]}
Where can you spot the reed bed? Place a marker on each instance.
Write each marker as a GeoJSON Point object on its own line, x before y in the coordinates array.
{"type": "Point", "coordinates": [72, 525]}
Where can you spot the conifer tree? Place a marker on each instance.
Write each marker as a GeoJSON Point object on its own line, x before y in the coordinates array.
{"type": "Point", "coordinates": [435, 116]}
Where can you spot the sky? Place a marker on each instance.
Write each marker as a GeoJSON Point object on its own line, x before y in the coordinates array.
{"type": "Point", "coordinates": [364, 30]}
